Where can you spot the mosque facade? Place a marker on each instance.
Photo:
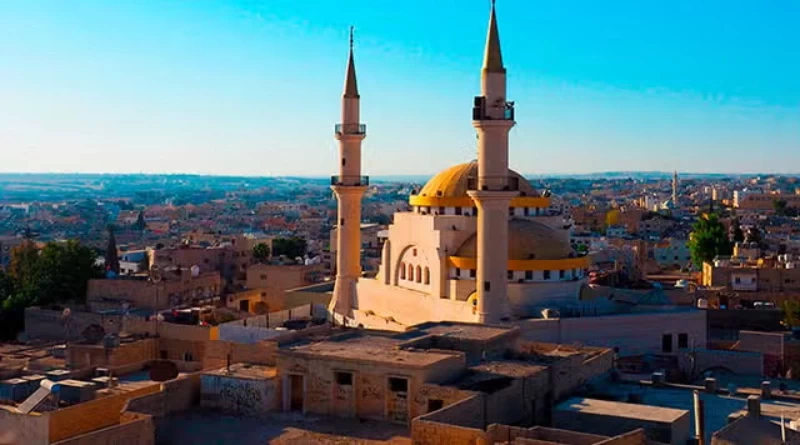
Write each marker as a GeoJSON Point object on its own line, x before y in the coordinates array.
{"type": "Point", "coordinates": [479, 244]}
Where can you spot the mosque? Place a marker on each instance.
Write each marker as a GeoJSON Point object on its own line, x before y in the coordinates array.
{"type": "Point", "coordinates": [479, 244]}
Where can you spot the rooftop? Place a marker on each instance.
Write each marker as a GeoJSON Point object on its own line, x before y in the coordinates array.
{"type": "Point", "coordinates": [624, 410]}
{"type": "Point", "coordinates": [245, 371]}
{"type": "Point", "coordinates": [461, 331]}
{"type": "Point", "coordinates": [371, 348]}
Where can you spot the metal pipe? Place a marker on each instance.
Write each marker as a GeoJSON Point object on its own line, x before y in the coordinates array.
{"type": "Point", "coordinates": [699, 418]}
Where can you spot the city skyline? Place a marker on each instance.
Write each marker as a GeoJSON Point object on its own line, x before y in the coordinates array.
{"type": "Point", "coordinates": [225, 88]}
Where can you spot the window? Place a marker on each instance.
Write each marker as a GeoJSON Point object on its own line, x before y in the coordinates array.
{"type": "Point", "coordinates": [683, 341]}
{"type": "Point", "coordinates": [475, 211]}
{"type": "Point", "coordinates": [529, 275]}
{"type": "Point", "coordinates": [546, 274]}
{"type": "Point", "coordinates": [511, 211]}
{"type": "Point", "coordinates": [472, 273]}
{"type": "Point", "coordinates": [737, 280]}
{"type": "Point", "coordinates": [398, 385]}
{"type": "Point", "coordinates": [344, 378]}
{"type": "Point", "coordinates": [487, 286]}
{"type": "Point", "coordinates": [427, 276]}
{"type": "Point", "coordinates": [187, 357]}
{"type": "Point", "coordinates": [341, 221]}
{"type": "Point", "coordinates": [410, 272]}
{"type": "Point", "coordinates": [435, 405]}
{"type": "Point", "coordinates": [263, 277]}
{"type": "Point", "coordinates": [561, 274]}
{"type": "Point", "coordinates": [526, 211]}
{"type": "Point", "coordinates": [459, 210]}
{"type": "Point", "coordinates": [419, 274]}
{"type": "Point", "coordinates": [441, 211]}
{"type": "Point", "coordinates": [510, 274]}
{"type": "Point", "coordinates": [402, 271]}
{"type": "Point", "coordinates": [666, 343]}
{"type": "Point", "coordinates": [458, 272]}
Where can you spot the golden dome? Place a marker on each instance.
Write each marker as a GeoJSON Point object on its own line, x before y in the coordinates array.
{"type": "Point", "coordinates": [527, 240]}
{"type": "Point", "coordinates": [455, 181]}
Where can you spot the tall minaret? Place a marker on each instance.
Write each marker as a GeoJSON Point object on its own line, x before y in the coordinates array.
{"type": "Point", "coordinates": [492, 117]}
{"type": "Point", "coordinates": [675, 187]}
{"type": "Point", "coordinates": [349, 187]}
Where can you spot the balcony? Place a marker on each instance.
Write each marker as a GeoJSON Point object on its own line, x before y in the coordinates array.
{"type": "Point", "coordinates": [347, 129]}
{"type": "Point", "coordinates": [350, 180]}
{"type": "Point", "coordinates": [481, 111]}
{"type": "Point", "coordinates": [506, 183]}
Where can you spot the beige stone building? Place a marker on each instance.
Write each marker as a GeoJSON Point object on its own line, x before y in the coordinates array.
{"type": "Point", "coordinates": [479, 243]}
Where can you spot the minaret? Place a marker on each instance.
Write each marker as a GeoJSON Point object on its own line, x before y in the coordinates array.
{"type": "Point", "coordinates": [112, 258]}
{"type": "Point", "coordinates": [349, 187]}
{"type": "Point", "coordinates": [492, 117]}
{"type": "Point", "coordinates": [675, 188]}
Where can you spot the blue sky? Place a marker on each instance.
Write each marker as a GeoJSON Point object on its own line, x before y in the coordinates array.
{"type": "Point", "coordinates": [253, 87]}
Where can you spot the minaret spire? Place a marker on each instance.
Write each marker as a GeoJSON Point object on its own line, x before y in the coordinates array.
{"type": "Point", "coordinates": [350, 83]}
{"type": "Point", "coordinates": [492, 56]}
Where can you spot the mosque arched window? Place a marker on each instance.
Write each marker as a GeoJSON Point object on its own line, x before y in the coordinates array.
{"type": "Point", "coordinates": [410, 272]}
{"type": "Point", "coordinates": [419, 274]}
{"type": "Point", "coordinates": [402, 271]}
{"type": "Point", "coordinates": [427, 276]}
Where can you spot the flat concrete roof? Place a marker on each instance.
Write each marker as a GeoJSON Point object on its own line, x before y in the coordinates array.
{"type": "Point", "coordinates": [465, 331]}
{"type": "Point", "coordinates": [625, 410]}
{"type": "Point", "coordinates": [371, 348]}
{"type": "Point", "coordinates": [245, 371]}
{"type": "Point", "coordinates": [510, 368]}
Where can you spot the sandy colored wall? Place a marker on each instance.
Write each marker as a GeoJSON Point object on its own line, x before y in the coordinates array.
{"type": "Point", "coordinates": [633, 334]}
{"type": "Point", "coordinates": [19, 429]}
{"type": "Point", "coordinates": [249, 397]}
{"type": "Point", "coordinates": [50, 324]}
{"type": "Point", "coordinates": [82, 356]}
{"type": "Point", "coordinates": [417, 307]}
{"type": "Point", "coordinates": [461, 423]}
{"type": "Point", "coordinates": [169, 330]}
{"type": "Point", "coordinates": [134, 429]}
{"type": "Point", "coordinates": [371, 380]}
{"type": "Point", "coordinates": [263, 353]}
{"type": "Point", "coordinates": [91, 416]}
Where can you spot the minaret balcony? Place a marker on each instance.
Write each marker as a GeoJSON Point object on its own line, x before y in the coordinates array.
{"type": "Point", "coordinates": [348, 129]}
{"type": "Point", "coordinates": [505, 183]}
{"type": "Point", "coordinates": [481, 111]}
{"type": "Point", "coordinates": [350, 180]}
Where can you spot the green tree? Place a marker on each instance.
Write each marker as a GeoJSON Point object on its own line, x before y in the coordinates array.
{"type": "Point", "coordinates": [737, 234]}
{"type": "Point", "coordinates": [140, 223]}
{"type": "Point", "coordinates": [780, 206]}
{"type": "Point", "coordinates": [65, 271]}
{"type": "Point", "coordinates": [791, 313]}
{"type": "Point", "coordinates": [708, 239]}
{"type": "Point", "coordinates": [57, 273]}
{"type": "Point", "coordinates": [291, 247]}
{"type": "Point", "coordinates": [261, 252]}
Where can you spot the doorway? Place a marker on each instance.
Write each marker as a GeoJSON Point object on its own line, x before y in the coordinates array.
{"type": "Point", "coordinates": [398, 400]}
{"type": "Point", "coordinates": [296, 392]}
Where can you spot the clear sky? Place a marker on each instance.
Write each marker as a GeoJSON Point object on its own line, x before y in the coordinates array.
{"type": "Point", "coordinates": [253, 87]}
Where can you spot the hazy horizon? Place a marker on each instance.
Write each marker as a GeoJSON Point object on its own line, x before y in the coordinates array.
{"type": "Point", "coordinates": [252, 88]}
